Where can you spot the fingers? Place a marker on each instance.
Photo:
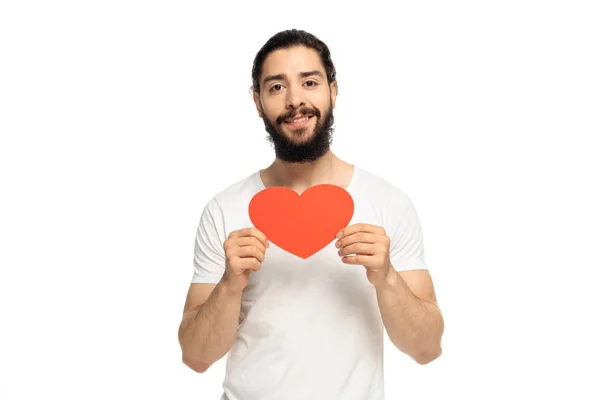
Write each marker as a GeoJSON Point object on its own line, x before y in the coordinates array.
{"type": "Point", "coordinates": [368, 249]}
{"type": "Point", "coordinates": [247, 263]}
{"type": "Point", "coordinates": [349, 230]}
{"type": "Point", "coordinates": [359, 237]}
{"type": "Point", "coordinates": [252, 232]}
{"type": "Point", "coordinates": [245, 249]}
{"type": "Point", "coordinates": [248, 251]}
{"type": "Point", "coordinates": [363, 260]}
{"type": "Point", "coordinates": [243, 241]}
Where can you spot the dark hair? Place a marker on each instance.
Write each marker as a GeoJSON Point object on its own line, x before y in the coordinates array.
{"type": "Point", "coordinates": [287, 39]}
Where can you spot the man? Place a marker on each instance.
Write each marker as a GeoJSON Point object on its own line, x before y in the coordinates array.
{"type": "Point", "coordinates": [310, 328]}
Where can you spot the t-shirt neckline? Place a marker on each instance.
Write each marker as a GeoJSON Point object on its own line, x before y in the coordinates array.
{"type": "Point", "coordinates": [351, 184]}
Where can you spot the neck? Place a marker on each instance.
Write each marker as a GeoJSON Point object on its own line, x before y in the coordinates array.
{"type": "Point", "coordinates": [328, 169]}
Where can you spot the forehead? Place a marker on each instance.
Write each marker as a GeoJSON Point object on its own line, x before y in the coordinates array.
{"type": "Point", "coordinates": [292, 61]}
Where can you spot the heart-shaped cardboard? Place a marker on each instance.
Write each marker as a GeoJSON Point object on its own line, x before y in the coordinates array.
{"type": "Point", "coordinates": [301, 224]}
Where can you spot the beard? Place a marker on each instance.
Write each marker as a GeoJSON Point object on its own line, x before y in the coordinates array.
{"type": "Point", "coordinates": [288, 150]}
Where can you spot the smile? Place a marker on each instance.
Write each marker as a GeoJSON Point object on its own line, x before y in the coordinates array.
{"type": "Point", "coordinates": [298, 121]}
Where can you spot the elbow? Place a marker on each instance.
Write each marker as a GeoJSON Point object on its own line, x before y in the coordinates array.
{"type": "Point", "coordinates": [427, 357]}
{"type": "Point", "coordinates": [196, 366]}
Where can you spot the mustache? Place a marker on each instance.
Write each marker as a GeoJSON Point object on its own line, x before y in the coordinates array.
{"type": "Point", "coordinates": [302, 111]}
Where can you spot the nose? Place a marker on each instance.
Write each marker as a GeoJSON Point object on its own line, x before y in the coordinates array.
{"type": "Point", "coordinates": [295, 98]}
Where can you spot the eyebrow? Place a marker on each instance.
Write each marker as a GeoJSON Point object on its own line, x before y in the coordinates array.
{"type": "Point", "coordinates": [282, 76]}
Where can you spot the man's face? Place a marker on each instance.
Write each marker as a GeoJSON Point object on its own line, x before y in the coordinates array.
{"type": "Point", "coordinates": [296, 104]}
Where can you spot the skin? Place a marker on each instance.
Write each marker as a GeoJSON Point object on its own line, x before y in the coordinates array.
{"type": "Point", "coordinates": [293, 91]}
{"type": "Point", "coordinates": [406, 300]}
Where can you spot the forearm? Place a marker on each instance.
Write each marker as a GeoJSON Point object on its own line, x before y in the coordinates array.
{"type": "Point", "coordinates": [207, 333]}
{"type": "Point", "coordinates": [414, 326]}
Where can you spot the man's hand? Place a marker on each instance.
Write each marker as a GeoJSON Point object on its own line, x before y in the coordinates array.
{"type": "Point", "coordinates": [244, 252]}
{"type": "Point", "coordinates": [371, 248]}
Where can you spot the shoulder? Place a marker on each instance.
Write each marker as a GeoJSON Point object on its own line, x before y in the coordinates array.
{"type": "Point", "coordinates": [238, 191]}
{"type": "Point", "coordinates": [228, 207]}
{"type": "Point", "coordinates": [380, 188]}
{"type": "Point", "coordinates": [391, 205]}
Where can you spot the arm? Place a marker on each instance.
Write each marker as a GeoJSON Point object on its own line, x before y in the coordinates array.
{"type": "Point", "coordinates": [207, 331]}
{"type": "Point", "coordinates": [410, 314]}
{"type": "Point", "coordinates": [222, 266]}
{"type": "Point", "coordinates": [396, 267]}
{"type": "Point", "coordinates": [207, 328]}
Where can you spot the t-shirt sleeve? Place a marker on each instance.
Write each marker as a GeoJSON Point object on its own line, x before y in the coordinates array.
{"type": "Point", "coordinates": [209, 255]}
{"type": "Point", "coordinates": [406, 235]}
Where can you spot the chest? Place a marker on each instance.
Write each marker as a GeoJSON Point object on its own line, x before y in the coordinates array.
{"type": "Point", "coordinates": [288, 283]}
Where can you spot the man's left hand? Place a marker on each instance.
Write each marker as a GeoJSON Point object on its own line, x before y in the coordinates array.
{"type": "Point", "coordinates": [371, 248]}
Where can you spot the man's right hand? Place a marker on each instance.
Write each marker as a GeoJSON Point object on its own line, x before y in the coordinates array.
{"type": "Point", "coordinates": [244, 253]}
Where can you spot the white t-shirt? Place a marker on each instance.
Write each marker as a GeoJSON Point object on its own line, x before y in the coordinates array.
{"type": "Point", "coordinates": [311, 327]}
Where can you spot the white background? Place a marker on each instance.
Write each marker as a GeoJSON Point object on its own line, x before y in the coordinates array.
{"type": "Point", "coordinates": [121, 119]}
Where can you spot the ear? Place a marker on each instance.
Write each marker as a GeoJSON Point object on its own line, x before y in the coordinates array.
{"type": "Point", "coordinates": [256, 98]}
{"type": "Point", "coordinates": [334, 89]}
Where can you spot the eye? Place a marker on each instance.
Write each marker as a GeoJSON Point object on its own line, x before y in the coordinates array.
{"type": "Point", "coordinates": [276, 87]}
{"type": "Point", "coordinates": [312, 83]}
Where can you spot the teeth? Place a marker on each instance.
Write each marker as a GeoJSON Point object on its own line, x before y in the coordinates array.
{"type": "Point", "coordinates": [299, 120]}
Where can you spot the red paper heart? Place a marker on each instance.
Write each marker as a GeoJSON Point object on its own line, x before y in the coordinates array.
{"type": "Point", "coordinates": [301, 225]}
